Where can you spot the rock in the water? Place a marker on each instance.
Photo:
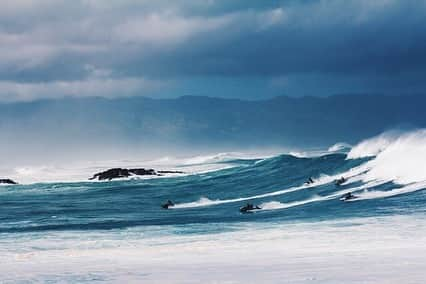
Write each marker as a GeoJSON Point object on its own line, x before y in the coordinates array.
{"type": "Point", "coordinates": [120, 173]}
{"type": "Point", "coordinates": [7, 181]}
{"type": "Point", "coordinates": [143, 172]}
{"type": "Point", "coordinates": [170, 172]}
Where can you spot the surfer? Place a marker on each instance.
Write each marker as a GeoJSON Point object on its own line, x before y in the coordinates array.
{"type": "Point", "coordinates": [340, 181]}
{"type": "Point", "coordinates": [347, 196]}
{"type": "Point", "coordinates": [309, 181]}
{"type": "Point", "coordinates": [248, 208]}
{"type": "Point", "coordinates": [168, 204]}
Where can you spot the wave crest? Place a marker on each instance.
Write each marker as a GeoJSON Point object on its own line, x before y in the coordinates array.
{"type": "Point", "coordinates": [339, 147]}
{"type": "Point", "coordinates": [399, 158]}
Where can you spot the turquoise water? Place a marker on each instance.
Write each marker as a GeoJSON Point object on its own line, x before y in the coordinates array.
{"type": "Point", "coordinates": [213, 199]}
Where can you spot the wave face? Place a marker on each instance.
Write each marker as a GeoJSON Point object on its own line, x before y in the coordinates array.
{"type": "Point", "coordinates": [386, 174]}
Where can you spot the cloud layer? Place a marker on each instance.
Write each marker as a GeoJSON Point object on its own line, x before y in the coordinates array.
{"type": "Point", "coordinates": [123, 48]}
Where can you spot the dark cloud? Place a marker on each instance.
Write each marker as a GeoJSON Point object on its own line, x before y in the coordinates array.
{"type": "Point", "coordinates": [289, 47]}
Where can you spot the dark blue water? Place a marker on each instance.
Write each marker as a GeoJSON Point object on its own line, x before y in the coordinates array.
{"type": "Point", "coordinates": [125, 204]}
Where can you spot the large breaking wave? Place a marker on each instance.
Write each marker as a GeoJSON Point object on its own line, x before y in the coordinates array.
{"type": "Point", "coordinates": [386, 174]}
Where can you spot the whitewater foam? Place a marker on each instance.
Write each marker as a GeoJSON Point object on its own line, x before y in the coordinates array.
{"type": "Point", "coordinates": [398, 158]}
{"type": "Point", "coordinates": [207, 202]}
{"type": "Point", "coordinates": [339, 147]}
{"type": "Point", "coordinates": [382, 250]}
{"type": "Point", "coordinates": [373, 146]}
{"type": "Point", "coordinates": [47, 233]}
{"type": "Point", "coordinates": [274, 205]}
{"type": "Point", "coordinates": [324, 179]}
{"type": "Point", "coordinates": [373, 194]}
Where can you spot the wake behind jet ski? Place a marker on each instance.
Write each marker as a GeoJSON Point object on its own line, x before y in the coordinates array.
{"type": "Point", "coordinates": [248, 208]}
{"type": "Point", "coordinates": [340, 181]}
{"type": "Point", "coordinates": [168, 204]}
{"type": "Point", "coordinates": [348, 196]}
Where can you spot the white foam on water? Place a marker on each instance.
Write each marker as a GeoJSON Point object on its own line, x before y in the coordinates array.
{"type": "Point", "coordinates": [399, 158]}
{"type": "Point", "coordinates": [322, 180]}
{"type": "Point", "coordinates": [373, 146]}
{"type": "Point", "coordinates": [274, 205]}
{"type": "Point", "coordinates": [373, 194]}
{"type": "Point", "coordinates": [340, 146]}
{"type": "Point", "coordinates": [207, 202]}
{"type": "Point", "coordinates": [373, 250]}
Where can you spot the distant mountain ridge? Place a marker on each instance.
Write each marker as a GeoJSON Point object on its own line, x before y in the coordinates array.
{"type": "Point", "coordinates": [209, 122]}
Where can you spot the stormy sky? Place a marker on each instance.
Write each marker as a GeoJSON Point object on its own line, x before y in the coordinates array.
{"type": "Point", "coordinates": [230, 48]}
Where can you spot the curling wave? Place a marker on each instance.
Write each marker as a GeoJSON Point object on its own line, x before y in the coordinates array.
{"type": "Point", "coordinates": [385, 174]}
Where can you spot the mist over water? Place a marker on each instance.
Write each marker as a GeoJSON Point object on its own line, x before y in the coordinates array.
{"type": "Point", "coordinates": [89, 129]}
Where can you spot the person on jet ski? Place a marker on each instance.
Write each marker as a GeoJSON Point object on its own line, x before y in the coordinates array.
{"type": "Point", "coordinates": [249, 207]}
{"type": "Point", "coordinates": [348, 196]}
{"type": "Point", "coordinates": [309, 181]}
{"type": "Point", "coordinates": [340, 181]}
{"type": "Point", "coordinates": [167, 204]}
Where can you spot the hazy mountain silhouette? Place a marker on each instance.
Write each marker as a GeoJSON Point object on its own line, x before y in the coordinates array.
{"type": "Point", "coordinates": [204, 122]}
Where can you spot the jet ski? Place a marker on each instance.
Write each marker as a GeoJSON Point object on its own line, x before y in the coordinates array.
{"type": "Point", "coordinates": [168, 204]}
{"type": "Point", "coordinates": [309, 181]}
{"type": "Point", "coordinates": [348, 196]}
{"type": "Point", "coordinates": [340, 181]}
{"type": "Point", "coordinates": [248, 208]}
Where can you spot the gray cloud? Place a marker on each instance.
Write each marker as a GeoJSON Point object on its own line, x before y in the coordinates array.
{"type": "Point", "coordinates": [79, 48]}
{"type": "Point", "coordinates": [96, 87]}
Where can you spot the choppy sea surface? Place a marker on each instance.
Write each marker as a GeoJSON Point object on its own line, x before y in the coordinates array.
{"type": "Point", "coordinates": [386, 174]}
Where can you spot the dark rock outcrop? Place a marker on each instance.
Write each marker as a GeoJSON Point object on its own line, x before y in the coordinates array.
{"type": "Point", "coordinates": [7, 181]}
{"type": "Point", "coordinates": [143, 172]}
{"type": "Point", "coordinates": [170, 172]}
{"type": "Point", "coordinates": [121, 173]}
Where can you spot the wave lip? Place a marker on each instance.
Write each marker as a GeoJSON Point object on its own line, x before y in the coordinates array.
{"type": "Point", "coordinates": [373, 146]}
{"type": "Point", "coordinates": [400, 158]}
{"type": "Point", "coordinates": [339, 147]}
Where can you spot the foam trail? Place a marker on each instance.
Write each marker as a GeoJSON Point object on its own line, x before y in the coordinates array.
{"type": "Point", "coordinates": [322, 181]}
{"type": "Point", "coordinates": [203, 201]}
{"type": "Point", "coordinates": [373, 194]}
{"type": "Point", "coordinates": [400, 158]}
{"type": "Point", "coordinates": [274, 205]}
{"type": "Point", "coordinates": [207, 202]}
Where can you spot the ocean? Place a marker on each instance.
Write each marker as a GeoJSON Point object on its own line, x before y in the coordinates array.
{"type": "Point", "coordinates": [57, 226]}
